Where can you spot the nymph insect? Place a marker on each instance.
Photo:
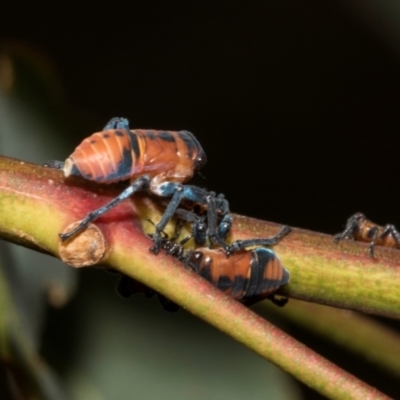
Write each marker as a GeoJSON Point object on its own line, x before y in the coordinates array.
{"type": "Point", "coordinates": [248, 276]}
{"type": "Point", "coordinates": [159, 161]}
{"type": "Point", "coordinates": [358, 227]}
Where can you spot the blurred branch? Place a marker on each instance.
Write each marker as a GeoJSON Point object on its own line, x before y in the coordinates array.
{"type": "Point", "coordinates": [358, 333]}
{"type": "Point", "coordinates": [36, 205]}
{"type": "Point", "coordinates": [28, 375]}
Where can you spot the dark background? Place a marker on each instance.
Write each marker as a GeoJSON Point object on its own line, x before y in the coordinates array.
{"type": "Point", "coordinates": [295, 103]}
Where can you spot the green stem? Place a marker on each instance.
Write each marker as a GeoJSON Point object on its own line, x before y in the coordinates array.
{"type": "Point", "coordinates": [360, 334]}
{"type": "Point", "coordinates": [341, 275]}
{"type": "Point", "coordinates": [36, 204]}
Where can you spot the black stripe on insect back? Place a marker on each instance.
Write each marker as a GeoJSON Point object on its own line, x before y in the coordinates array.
{"type": "Point", "coordinates": [194, 259]}
{"type": "Point", "coordinates": [166, 136]}
{"type": "Point", "coordinates": [150, 135]}
{"type": "Point", "coordinates": [124, 166]}
{"type": "Point", "coordinates": [134, 144]}
{"type": "Point", "coordinates": [225, 283]}
{"type": "Point", "coordinates": [193, 145]}
{"type": "Point", "coordinates": [76, 171]}
{"type": "Point", "coordinates": [259, 261]}
{"type": "Point", "coordinates": [205, 272]}
{"type": "Point", "coordinates": [268, 257]}
{"type": "Point", "coordinates": [239, 286]}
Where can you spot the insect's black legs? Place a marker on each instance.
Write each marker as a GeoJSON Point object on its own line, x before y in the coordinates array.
{"type": "Point", "coordinates": [199, 226]}
{"type": "Point", "coordinates": [219, 208]}
{"type": "Point", "coordinates": [390, 230]}
{"type": "Point", "coordinates": [242, 244]}
{"type": "Point", "coordinates": [373, 235]}
{"type": "Point", "coordinates": [359, 228]}
{"type": "Point", "coordinates": [222, 205]}
{"type": "Point", "coordinates": [387, 230]}
{"type": "Point", "coordinates": [348, 233]}
{"type": "Point", "coordinates": [212, 219]}
{"type": "Point", "coordinates": [170, 246]}
{"type": "Point", "coordinates": [178, 228]}
{"type": "Point", "coordinates": [215, 206]}
{"type": "Point", "coordinates": [140, 184]}
{"type": "Point", "coordinates": [352, 227]}
{"type": "Point", "coordinates": [168, 214]}
{"type": "Point", "coordinates": [117, 123]}
{"type": "Point", "coordinates": [225, 226]}
{"type": "Point", "coordinates": [187, 215]}
{"type": "Point", "coordinates": [54, 164]}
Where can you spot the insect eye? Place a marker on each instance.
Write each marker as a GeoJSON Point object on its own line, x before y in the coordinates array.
{"type": "Point", "coordinates": [200, 161]}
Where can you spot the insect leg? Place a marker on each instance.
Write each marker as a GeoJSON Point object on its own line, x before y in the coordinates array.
{"type": "Point", "coordinates": [390, 230]}
{"type": "Point", "coordinates": [346, 234]}
{"type": "Point", "coordinates": [352, 228]}
{"type": "Point", "coordinates": [117, 123]}
{"type": "Point", "coordinates": [178, 193]}
{"type": "Point", "coordinates": [170, 246]}
{"type": "Point", "coordinates": [215, 206]}
{"type": "Point", "coordinates": [199, 229]}
{"type": "Point", "coordinates": [225, 226]}
{"type": "Point", "coordinates": [212, 217]}
{"type": "Point", "coordinates": [199, 226]}
{"type": "Point", "coordinates": [242, 244]}
{"type": "Point", "coordinates": [140, 184]}
{"type": "Point", "coordinates": [186, 215]}
{"type": "Point", "coordinates": [373, 234]}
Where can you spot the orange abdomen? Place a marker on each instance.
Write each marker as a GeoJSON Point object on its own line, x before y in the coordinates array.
{"type": "Point", "coordinates": [117, 154]}
{"type": "Point", "coordinates": [245, 275]}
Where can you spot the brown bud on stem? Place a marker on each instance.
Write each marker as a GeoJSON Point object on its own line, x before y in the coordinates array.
{"type": "Point", "coordinates": [84, 249]}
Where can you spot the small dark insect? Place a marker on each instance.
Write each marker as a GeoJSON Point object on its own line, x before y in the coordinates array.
{"type": "Point", "coordinates": [159, 161]}
{"type": "Point", "coordinates": [248, 276]}
{"type": "Point", "coordinates": [221, 227]}
{"type": "Point", "coordinates": [209, 215]}
{"type": "Point", "coordinates": [358, 227]}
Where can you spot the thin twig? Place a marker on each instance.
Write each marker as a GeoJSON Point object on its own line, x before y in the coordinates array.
{"type": "Point", "coordinates": [36, 205]}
